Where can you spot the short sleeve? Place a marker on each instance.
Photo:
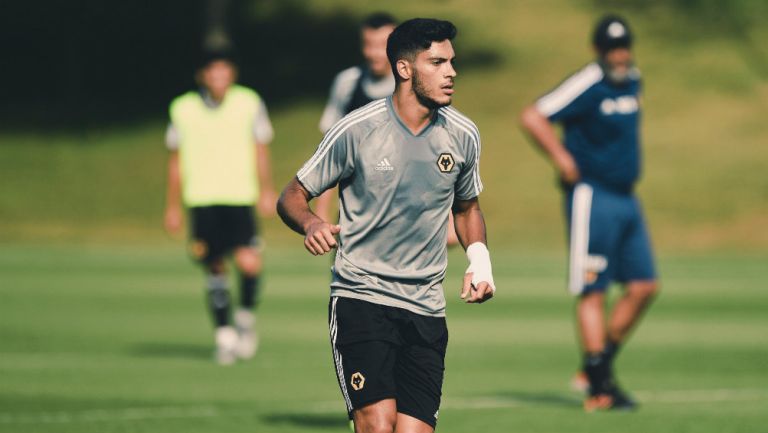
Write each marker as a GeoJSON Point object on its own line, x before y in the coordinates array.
{"type": "Point", "coordinates": [572, 97]}
{"type": "Point", "coordinates": [172, 137]}
{"type": "Point", "coordinates": [468, 184]}
{"type": "Point", "coordinates": [332, 161]}
{"type": "Point", "coordinates": [579, 106]}
{"type": "Point", "coordinates": [262, 127]}
{"type": "Point", "coordinates": [340, 95]}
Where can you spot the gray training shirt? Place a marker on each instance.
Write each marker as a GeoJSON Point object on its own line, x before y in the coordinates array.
{"type": "Point", "coordinates": [396, 191]}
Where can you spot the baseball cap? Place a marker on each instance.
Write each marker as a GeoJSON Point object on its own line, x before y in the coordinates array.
{"type": "Point", "coordinates": [611, 32]}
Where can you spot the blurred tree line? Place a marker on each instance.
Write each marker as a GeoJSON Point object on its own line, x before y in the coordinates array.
{"type": "Point", "coordinates": [85, 62]}
{"type": "Point", "coordinates": [743, 21]}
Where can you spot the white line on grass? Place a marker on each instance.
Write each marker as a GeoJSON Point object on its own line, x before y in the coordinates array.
{"type": "Point", "coordinates": [645, 397]}
{"type": "Point", "coordinates": [102, 415]}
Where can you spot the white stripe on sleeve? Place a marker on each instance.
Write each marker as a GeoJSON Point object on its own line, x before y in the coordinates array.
{"type": "Point", "coordinates": [335, 132]}
{"type": "Point", "coordinates": [262, 127]}
{"type": "Point", "coordinates": [341, 93]}
{"type": "Point", "coordinates": [569, 90]}
{"type": "Point", "coordinates": [466, 125]}
{"type": "Point", "coordinates": [172, 137]}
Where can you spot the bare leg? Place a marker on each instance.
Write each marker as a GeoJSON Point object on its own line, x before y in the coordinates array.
{"type": "Point", "coordinates": [591, 322]}
{"type": "Point", "coordinates": [379, 417]}
{"type": "Point", "coordinates": [216, 267]}
{"type": "Point", "coordinates": [409, 424]}
{"type": "Point", "coordinates": [248, 261]}
{"type": "Point", "coordinates": [628, 310]}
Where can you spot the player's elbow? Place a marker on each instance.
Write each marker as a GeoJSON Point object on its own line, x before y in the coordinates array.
{"type": "Point", "coordinates": [281, 205]}
{"type": "Point", "coordinates": [529, 118]}
{"type": "Point", "coordinates": [294, 195]}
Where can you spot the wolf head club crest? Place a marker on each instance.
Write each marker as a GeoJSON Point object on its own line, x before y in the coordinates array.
{"type": "Point", "coordinates": [445, 162]}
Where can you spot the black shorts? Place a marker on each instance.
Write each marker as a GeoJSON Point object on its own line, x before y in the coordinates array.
{"type": "Point", "coordinates": [383, 352]}
{"type": "Point", "coordinates": [217, 230]}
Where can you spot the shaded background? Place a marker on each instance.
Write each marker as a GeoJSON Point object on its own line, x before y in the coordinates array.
{"type": "Point", "coordinates": [89, 62]}
{"type": "Point", "coordinates": [88, 84]}
{"type": "Point", "coordinates": [92, 63]}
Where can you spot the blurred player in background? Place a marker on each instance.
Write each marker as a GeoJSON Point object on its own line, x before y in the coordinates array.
{"type": "Point", "coordinates": [402, 164]}
{"type": "Point", "coordinates": [219, 167]}
{"type": "Point", "coordinates": [599, 163]}
{"type": "Point", "coordinates": [359, 85]}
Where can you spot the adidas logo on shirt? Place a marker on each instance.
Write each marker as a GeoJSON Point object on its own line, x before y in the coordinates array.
{"type": "Point", "coordinates": [384, 165]}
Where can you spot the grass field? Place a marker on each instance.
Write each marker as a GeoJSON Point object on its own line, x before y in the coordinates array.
{"type": "Point", "coordinates": [98, 339]}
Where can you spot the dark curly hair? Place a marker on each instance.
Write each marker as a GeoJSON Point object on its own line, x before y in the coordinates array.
{"type": "Point", "coordinates": [414, 36]}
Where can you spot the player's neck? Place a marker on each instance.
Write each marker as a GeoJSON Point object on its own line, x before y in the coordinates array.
{"type": "Point", "coordinates": [414, 115]}
{"type": "Point", "coordinates": [211, 99]}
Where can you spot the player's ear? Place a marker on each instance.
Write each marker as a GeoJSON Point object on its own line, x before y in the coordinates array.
{"type": "Point", "coordinates": [404, 69]}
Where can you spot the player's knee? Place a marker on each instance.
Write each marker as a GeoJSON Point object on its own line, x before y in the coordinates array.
{"type": "Point", "coordinates": [248, 262]}
{"type": "Point", "coordinates": [370, 420]}
{"type": "Point", "coordinates": [652, 290]}
{"type": "Point", "coordinates": [216, 267]}
{"type": "Point", "coordinates": [646, 290]}
{"type": "Point", "coordinates": [594, 299]}
{"type": "Point", "coordinates": [376, 426]}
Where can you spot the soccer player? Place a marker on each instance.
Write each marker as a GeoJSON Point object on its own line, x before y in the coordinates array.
{"type": "Point", "coordinates": [402, 164]}
{"type": "Point", "coordinates": [219, 167]}
{"type": "Point", "coordinates": [359, 85]}
{"type": "Point", "coordinates": [599, 163]}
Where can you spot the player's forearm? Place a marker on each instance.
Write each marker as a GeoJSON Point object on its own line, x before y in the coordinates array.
{"type": "Point", "coordinates": [173, 191]}
{"type": "Point", "coordinates": [470, 228]}
{"type": "Point", "coordinates": [540, 129]}
{"type": "Point", "coordinates": [469, 223]}
{"type": "Point", "coordinates": [264, 167]}
{"type": "Point", "coordinates": [293, 208]}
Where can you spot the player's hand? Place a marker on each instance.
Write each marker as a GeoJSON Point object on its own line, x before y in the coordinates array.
{"type": "Point", "coordinates": [476, 294]}
{"type": "Point", "coordinates": [267, 203]}
{"type": "Point", "coordinates": [569, 171]}
{"type": "Point", "coordinates": [173, 220]}
{"type": "Point", "coordinates": [320, 237]}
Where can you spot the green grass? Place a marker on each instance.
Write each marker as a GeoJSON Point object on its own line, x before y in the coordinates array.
{"type": "Point", "coordinates": [105, 339]}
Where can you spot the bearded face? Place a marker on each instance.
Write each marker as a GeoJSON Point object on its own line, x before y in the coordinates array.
{"type": "Point", "coordinates": [433, 74]}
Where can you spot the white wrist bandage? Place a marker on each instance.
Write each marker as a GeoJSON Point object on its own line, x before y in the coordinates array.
{"type": "Point", "coordinates": [480, 265]}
